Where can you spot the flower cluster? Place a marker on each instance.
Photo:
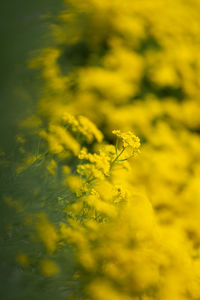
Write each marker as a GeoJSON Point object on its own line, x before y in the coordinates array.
{"type": "Point", "coordinates": [98, 165]}
{"type": "Point", "coordinates": [67, 134]}
{"type": "Point", "coordinates": [128, 139]}
{"type": "Point", "coordinates": [83, 126]}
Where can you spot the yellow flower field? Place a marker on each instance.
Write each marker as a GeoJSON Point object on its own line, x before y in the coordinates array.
{"type": "Point", "coordinates": [115, 213]}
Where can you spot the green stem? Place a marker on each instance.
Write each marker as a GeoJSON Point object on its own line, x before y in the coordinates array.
{"type": "Point", "coordinates": [116, 146]}
{"type": "Point", "coordinates": [126, 158]}
{"type": "Point", "coordinates": [116, 158]}
{"type": "Point", "coordinates": [90, 180]}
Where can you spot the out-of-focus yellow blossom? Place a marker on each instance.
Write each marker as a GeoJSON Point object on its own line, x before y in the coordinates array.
{"type": "Point", "coordinates": [23, 259]}
{"type": "Point", "coordinates": [47, 233]}
{"type": "Point", "coordinates": [31, 122]}
{"type": "Point", "coordinates": [75, 183]}
{"type": "Point", "coordinates": [20, 139]}
{"type": "Point", "coordinates": [101, 289]}
{"type": "Point", "coordinates": [51, 167]}
{"type": "Point", "coordinates": [89, 129]}
{"type": "Point", "coordinates": [66, 170]}
{"type": "Point", "coordinates": [49, 267]}
{"type": "Point", "coordinates": [51, 70]}
{"type": "Point", "coordinates": [15, 203]}
{"type": "Point", "coordinates": [83, 126]}
{"type": "Point", "coordinates": [60, 139]}
{"type": "Point", "coordinates": [103, 81]}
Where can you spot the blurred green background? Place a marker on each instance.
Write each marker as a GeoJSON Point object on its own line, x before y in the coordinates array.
{"type": "Point", "coordinates": [23, 29]}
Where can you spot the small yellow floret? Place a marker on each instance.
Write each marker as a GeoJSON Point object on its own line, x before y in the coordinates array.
{"type": "Point", "coordinates": [23, 259]}
{"type": "Point", "coordinates": [49, 267]}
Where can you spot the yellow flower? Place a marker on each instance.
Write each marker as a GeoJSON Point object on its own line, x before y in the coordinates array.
{"type": "Point", "coordinates": [98, 165]}
{"type": "Point", "coordinates": [75, 183]}
{"type": "Point", "coordinates": [83, 126]}
{"type": "Point", "coordinates": [89, 129]}
{"type": "Point", "coordinates": [128, 139]}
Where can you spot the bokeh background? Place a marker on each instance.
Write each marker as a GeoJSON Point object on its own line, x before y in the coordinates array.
{"type": "Point", "coordinates": [72, 225]}
{"type": "Point", "coordinates": [23, 30]}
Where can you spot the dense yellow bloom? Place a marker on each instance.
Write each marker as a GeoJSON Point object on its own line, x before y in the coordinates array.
{"type": "Point", "coordinates": [128, 139]}
{"type": "Point", "coordinates": [98, 166]}
{"type": "Point", "coordinates": [59, 140]}
{"type": "Point", "coordinates": [83, 126]}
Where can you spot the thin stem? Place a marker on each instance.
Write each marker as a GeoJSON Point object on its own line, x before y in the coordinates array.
{"type": "Point", "coordinates": [116, 158]}
{"type": "Point", "coordinates": [90, 180]}
{"type": "Point", "coordinates": [126, 158]}
{"type": "Point", "coordinates": [38, 148]}
{"type": "Point", "coordinates": [120, 160]}
{"type": "Point", "coordinates": [116, 146]}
